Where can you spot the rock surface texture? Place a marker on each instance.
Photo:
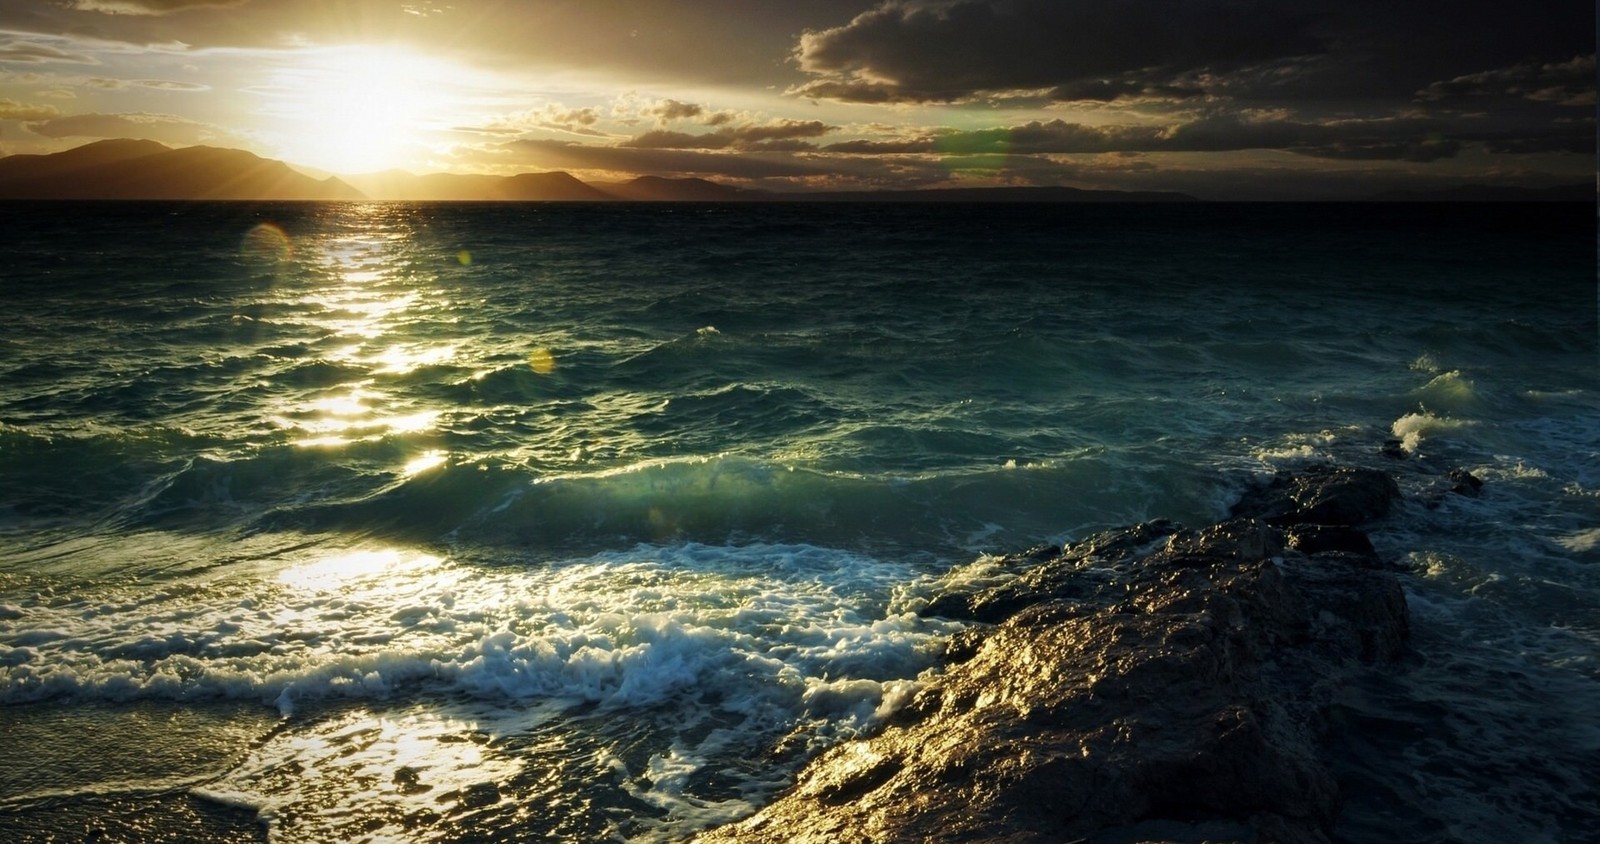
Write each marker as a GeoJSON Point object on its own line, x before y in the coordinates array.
{"type": "Point", "coordinates": [1148, 684]}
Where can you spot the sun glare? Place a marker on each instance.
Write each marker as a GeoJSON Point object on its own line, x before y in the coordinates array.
{"type": "Point", "coordinates": [359, 109]}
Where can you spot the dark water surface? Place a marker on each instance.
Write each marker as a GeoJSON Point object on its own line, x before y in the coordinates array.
{"type": "Point", "coordinates": [388, 522]}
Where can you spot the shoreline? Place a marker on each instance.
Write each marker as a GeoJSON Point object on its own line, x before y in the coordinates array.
{"type": "Point", "coordinates": [1151, 683]}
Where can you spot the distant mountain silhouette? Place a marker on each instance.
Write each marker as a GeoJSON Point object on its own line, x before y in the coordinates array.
{"type": "Point", "coordinates": [19, 167]}
{"type": "Point", "coordinates": [435, 187]}
{"type": "Point", "coordinates": [400, 185]}
{"type": "Point", "coordinates": [128, 169]}
{"type": "Point", "coordinates": [548, 186]}
{"type": "Point", "coordinates": [1581, 192]}
{"type": "Point", "coordinates": [656, 188]}
{"type": "Point", "coordinates": [1002, 194]}
{"type": "Point", "coordinates": [136, 169]}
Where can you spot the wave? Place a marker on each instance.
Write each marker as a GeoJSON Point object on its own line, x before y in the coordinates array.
{"type": "Point", "coordinates": [955, 489]}
{"type": "Point", "coordinates": [799, 628]}
{"type": "Point", "coordinates": [731, 498]}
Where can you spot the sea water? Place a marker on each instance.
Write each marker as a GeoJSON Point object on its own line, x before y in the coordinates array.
{"type": "Point", "coordinates": [480, 522]}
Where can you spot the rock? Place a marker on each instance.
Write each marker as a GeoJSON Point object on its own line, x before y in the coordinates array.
{"type": "Point", "coordinates": [1465, 483]}
{"type": "Point", "coordinates": [1319, 539]}
{"type": "Point", "coordinates": [1146, 684]}
{"type": "Point", "coordinates": [1321, 495]}
{"type": "Point", "coordinates": [1078, 572]}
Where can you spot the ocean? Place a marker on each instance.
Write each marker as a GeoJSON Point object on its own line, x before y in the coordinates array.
{"type": "Point", "coordinates": [592, 522]}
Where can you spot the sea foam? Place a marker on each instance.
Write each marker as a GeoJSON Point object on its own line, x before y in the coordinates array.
{"type": "Point", "coordinates": [771, 626]}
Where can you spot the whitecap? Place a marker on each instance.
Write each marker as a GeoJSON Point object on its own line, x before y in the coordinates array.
{"type": "Point", "coordinates": [1412, 428]}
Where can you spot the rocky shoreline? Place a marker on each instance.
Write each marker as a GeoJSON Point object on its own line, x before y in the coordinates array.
{"type": "Point", "coordinates": [1154, 683]}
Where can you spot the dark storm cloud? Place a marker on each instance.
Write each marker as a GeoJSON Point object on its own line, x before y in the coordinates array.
{"type": "Point", "coordinates": [1110, 90]}
{"type": "Point", "coordinates": [1089, 86]}
{"type": "Point", "coordinates": [1410, 139]}
{"type": "Point", "coordinates": [948, 50]}
{"type": "Point", "coordinates": [1570, 83]}
{"type": "Point", "coordinates": [921, 50]}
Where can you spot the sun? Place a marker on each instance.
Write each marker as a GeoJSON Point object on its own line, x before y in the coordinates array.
{"type": "Point", "coordinates": [359, 109]}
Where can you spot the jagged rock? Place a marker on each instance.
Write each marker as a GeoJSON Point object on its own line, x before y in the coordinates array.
{"type": "Point", "coordinates": [1318, 539]}
{"type": "Point", "coordinates": [1321, 495]}
{"type": "Point", "coordinates": [1465, 483]}
{"type": "Point", "coordinates": [1146, 684]}
{"type": "Point", "coordinates": [1061, 578]}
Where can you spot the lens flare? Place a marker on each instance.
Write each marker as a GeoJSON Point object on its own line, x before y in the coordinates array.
{"type": "Point", "coordinates": [268, 243]}
{"type": "Point", "coordinates": [975, 155]}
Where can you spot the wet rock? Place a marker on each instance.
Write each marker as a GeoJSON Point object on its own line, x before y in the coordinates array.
{"type": "Point", "coordinates": [1321, 495]}
{"type": "Point", "coordinates": [1146, 684]}
{"type": "Point", "coordinates": [1318, 539]}
{"type": "Point", "coordinates": [1078, 572]}
{"type": "Point", "coordinates": [1465, 483]}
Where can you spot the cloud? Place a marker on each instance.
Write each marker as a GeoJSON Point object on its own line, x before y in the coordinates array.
{"type": "Point", "coordinates": [109, 84]}
{"type": "Point", "coordinates": [674, 110]}
{"type": "Point", "coordinates": [1362, 54]}
{"type": "Point", "coordinates": [30, 52]}
{"type": "Point", "coordinates": [1578, 140]}
{"type": "Point", "coordinates": [13, 110]}
{"type": "Point", "coordinates": [168, 85]}
{"type": "Point", "coordinates": [1110, 90]}
{"type": "Point", "coordinates": [947, 50]}
{"type": "Point", "coordinates": [150, 7]}
{"type": "Point", "coordinates": [1421, 151]}
{"type": "Point", "coordinates": [848, 90]}
{"type": "Point", "coordinates": [166, 128]}
{"type": "Point", "coordinates": [551, 116]}
{"type": "Point", "coordinates": [778, 135]}
{"type": "Point", "coordinates": [1569, 83]}
{"type": "Point", "coordinates": [563, 155]}
{"type": "Point", "coordinates": [1418, 140]}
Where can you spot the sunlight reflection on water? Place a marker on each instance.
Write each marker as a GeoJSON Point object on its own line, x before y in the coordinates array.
{"type": "Point", "coordinates": [371, 297]}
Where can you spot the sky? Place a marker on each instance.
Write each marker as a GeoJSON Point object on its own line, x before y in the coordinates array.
{"type": "Point", "coordinates": [1223, 99]}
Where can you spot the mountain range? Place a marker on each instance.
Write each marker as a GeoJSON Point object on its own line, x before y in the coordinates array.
{"type": "Point", "coordinates": [125, 169]}
{"type": "Point", "coordinates": [136, 169]}
{"type": "Point", "coordinates": [130, 169]}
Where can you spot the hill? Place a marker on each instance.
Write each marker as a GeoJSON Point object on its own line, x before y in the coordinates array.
{"type": "Point", "coordinates": [129, 169]}
{"type": "Point", "coordinates": [1000, 194]}
{"type": "Point", "coordinates": [456, 187]}
{"type": "Point", "coordinates": [138, 169]}
{"type": "Point", "coordinates": [559, 187]}
{"type": "Point", "coordinates": [659, 189]}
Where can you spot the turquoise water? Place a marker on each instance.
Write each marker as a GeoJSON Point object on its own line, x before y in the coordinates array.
{"type": "Point", "coordinates": [452, 522]}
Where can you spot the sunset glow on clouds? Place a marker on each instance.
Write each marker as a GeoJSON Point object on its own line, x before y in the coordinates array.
{"type": "Point", "coordinates": [1214, 97]}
